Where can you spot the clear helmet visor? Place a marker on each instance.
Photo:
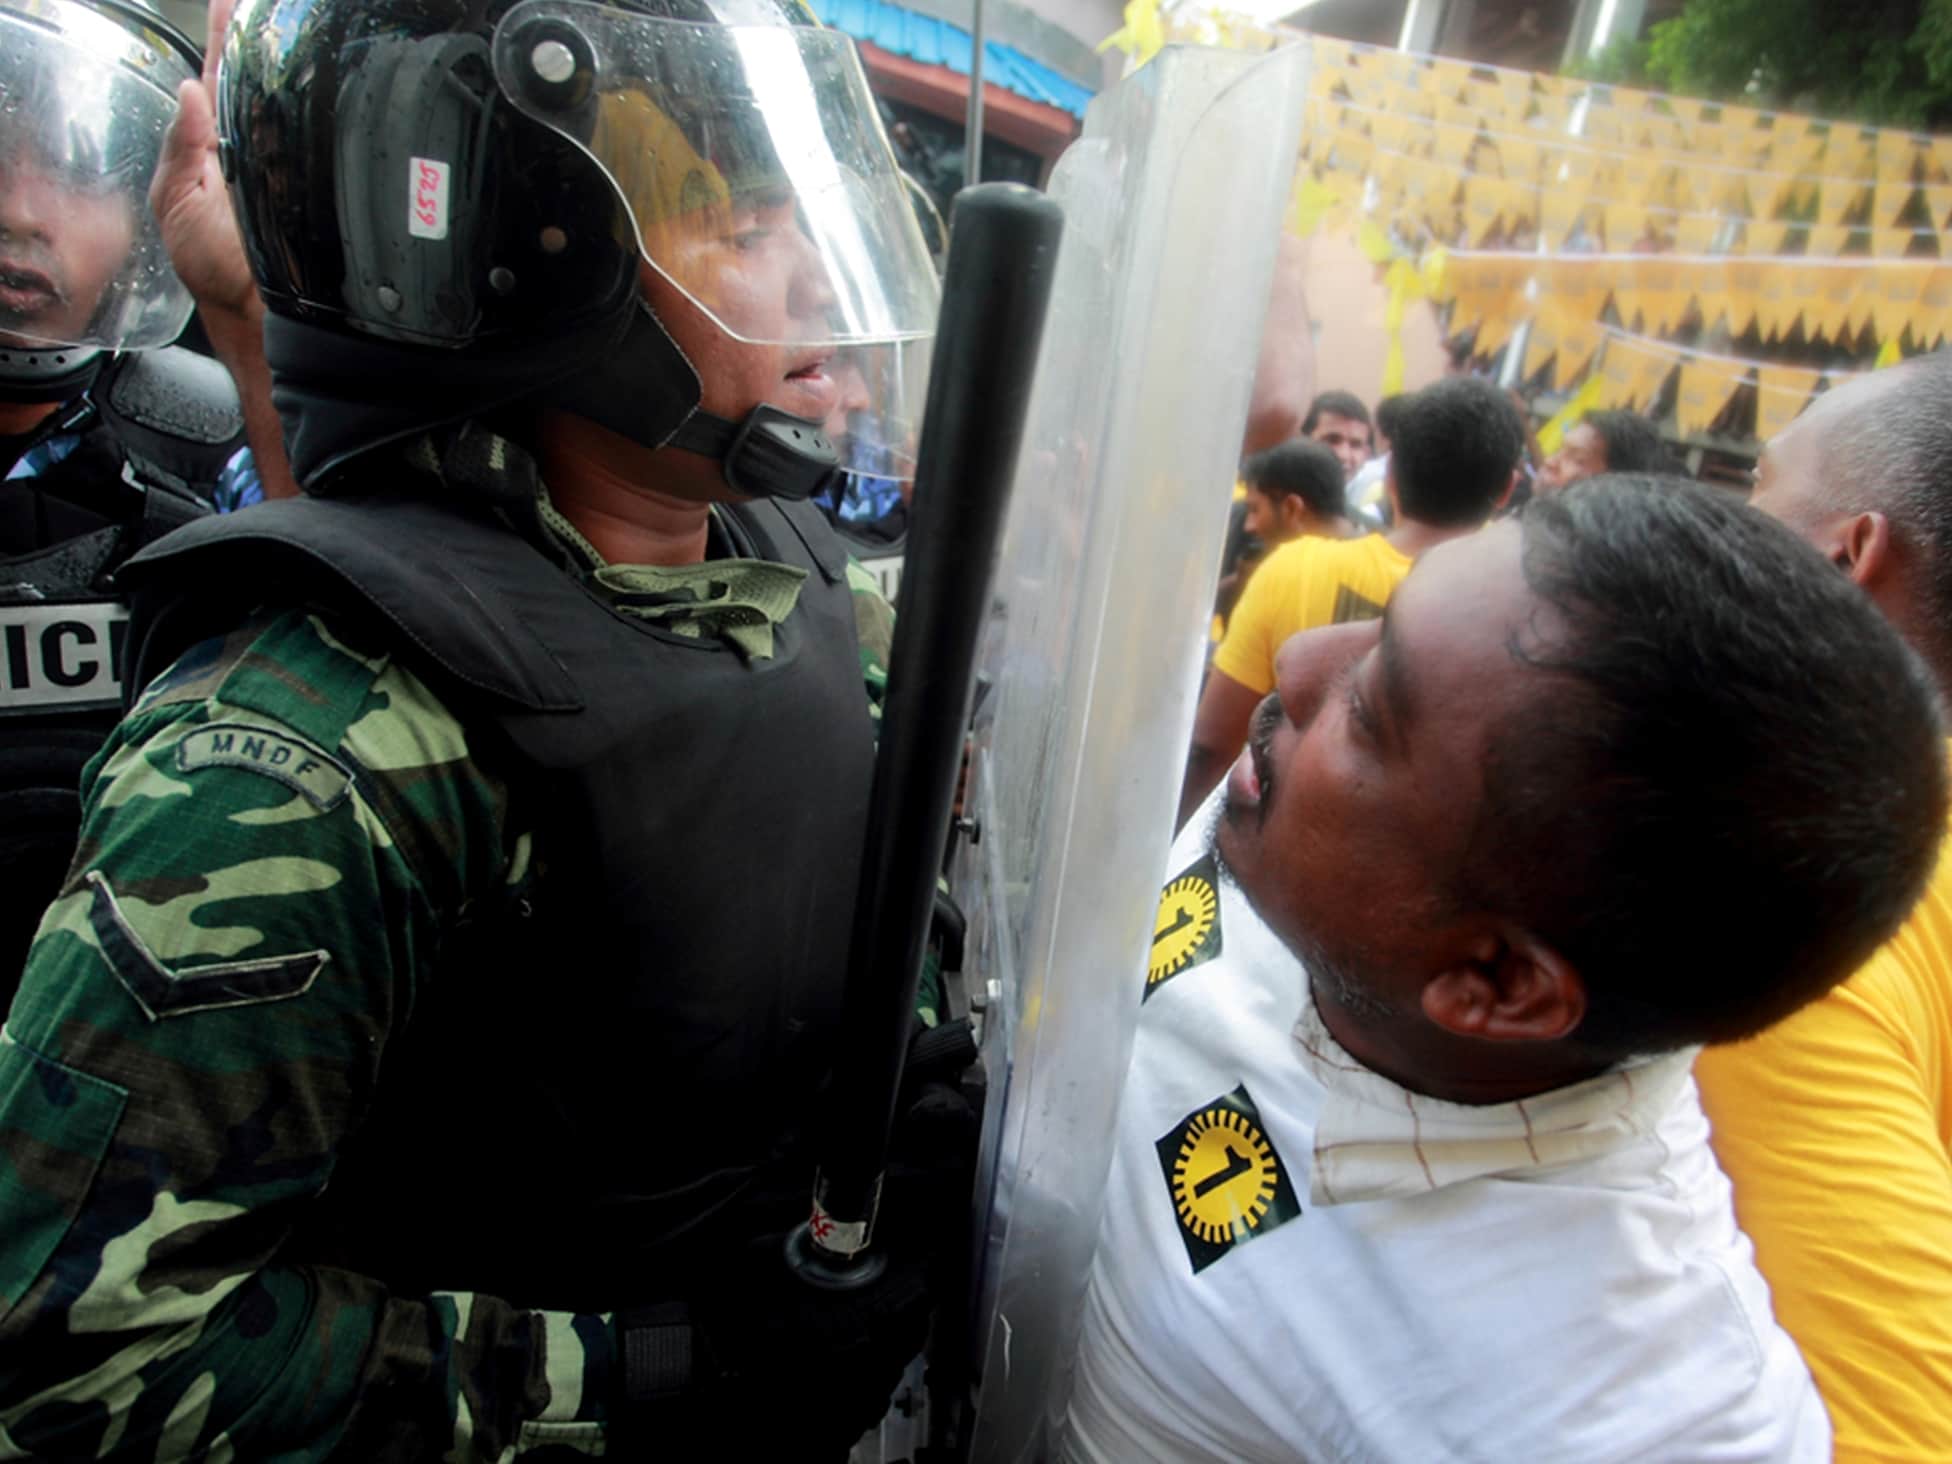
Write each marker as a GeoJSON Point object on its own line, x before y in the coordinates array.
{"type": "Point", "coordinates": [84, 105]}
{"type": "Point", "coordinates": [762, 191]}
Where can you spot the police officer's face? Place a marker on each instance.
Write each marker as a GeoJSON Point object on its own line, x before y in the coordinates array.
{"type": "Point", "coordinates": [63, 238]}
{"type": "Point", "coordinates": [754, 269]}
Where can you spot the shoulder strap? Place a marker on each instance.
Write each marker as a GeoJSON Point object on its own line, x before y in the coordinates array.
{"type": "Point", "coordinates": [450, 581]}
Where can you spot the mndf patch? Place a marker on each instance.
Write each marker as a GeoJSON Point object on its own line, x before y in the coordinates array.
{"type": "Point", "coordinates": [1226, 1182]}
{"type": "Point", "coordinates": [1186, 932]}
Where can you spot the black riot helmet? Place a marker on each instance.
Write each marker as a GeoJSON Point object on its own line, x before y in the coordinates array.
{"type": "Point", "coordinates": [452, 206]}
{"type": "Point", "coordinates": [87, 92]}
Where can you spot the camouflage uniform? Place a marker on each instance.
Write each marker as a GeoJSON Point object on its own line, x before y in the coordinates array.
{"type": "Point", "coordinates": [275, 840]}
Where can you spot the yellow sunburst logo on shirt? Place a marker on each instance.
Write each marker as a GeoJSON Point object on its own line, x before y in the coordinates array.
{"type": "Point", "coordinates": [1186, 931]}
{"type": "Point", "coordinates": [1225, 1178]}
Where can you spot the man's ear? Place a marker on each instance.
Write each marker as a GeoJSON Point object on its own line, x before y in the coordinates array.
{"type": "Point", "coordinates": [1861, 547]}
{"type": "Point", "coordinates": [1507, 986]}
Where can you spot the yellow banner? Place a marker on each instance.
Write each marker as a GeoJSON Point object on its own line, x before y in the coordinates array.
{"type": "Point", "coordinates": [1781, 392]}
{"type": "Point", "coordinates": [1765, 237]}
{"type": "Point", "coordinates": [1705, 389]}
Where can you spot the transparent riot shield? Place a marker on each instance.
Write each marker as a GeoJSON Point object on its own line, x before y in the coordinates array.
{"type": "Point", "coordinates": [1173, 200]}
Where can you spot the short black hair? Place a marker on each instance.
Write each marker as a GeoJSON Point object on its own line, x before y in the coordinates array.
{"type": "Point", "coordinates": [1733, 790]}
{"type": "Point", "coordinates": [1388, 412]}
{"type": "Point", "coordinates": [1453, 452]}
{"type": "Point", "coordinates": [1633, 444]}
{"type": "Point", "coordinates": [1299, 469]}
{"type": "Point", "coordinates": [1338, 403]}
{"type": "Point", "coordinates": [1894, 455]}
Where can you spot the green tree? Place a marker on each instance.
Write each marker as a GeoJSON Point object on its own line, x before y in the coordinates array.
{"type": "Point", "coordinates": [1881, 61]}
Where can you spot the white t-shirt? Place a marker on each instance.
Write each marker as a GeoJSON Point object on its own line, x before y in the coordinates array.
{"type": "Point", "coordinates": [1302, 1260]}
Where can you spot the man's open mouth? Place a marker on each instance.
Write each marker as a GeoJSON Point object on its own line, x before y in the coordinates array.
{"type": "Point", "coordinates": [25, 291]}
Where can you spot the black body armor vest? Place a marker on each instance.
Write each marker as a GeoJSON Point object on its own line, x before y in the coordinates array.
{"type": "Point", "coordinates": [604, 1080]}
{"type": "Point", "coordinates": [155, 430]}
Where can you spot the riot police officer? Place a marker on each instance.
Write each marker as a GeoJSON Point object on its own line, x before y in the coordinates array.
{"type": "Point", "coordinates": [488, 845]}
{"type": "Point", "coordinates": [109, 436]}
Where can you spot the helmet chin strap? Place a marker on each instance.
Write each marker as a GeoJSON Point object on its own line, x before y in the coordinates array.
{"type": "Point", "coordinates": [647, 390]}
{"type": "Point", "coordinates": [34, 374]}
{"type": "Point", "coordinates": [772, 454]}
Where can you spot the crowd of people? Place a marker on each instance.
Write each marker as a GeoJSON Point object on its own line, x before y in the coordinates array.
{"type": "Point", "coordinates": [437, 723]}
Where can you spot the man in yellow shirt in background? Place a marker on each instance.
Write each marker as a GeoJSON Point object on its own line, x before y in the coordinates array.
{"type": "Point", "coordinates": [1451, 464]}
{"type": "Point", "coordinates": [1836, 1125]}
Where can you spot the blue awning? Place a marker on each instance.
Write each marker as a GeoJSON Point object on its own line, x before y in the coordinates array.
{"type": "Point", "coordinates": [938, 43]}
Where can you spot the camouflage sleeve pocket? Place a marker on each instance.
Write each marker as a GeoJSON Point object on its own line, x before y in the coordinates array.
{"type": "Point", "coordinates": [55, 1127]}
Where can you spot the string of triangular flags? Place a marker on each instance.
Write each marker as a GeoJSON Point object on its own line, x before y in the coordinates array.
{"type": "Point", "coordinates": [1617, 368]}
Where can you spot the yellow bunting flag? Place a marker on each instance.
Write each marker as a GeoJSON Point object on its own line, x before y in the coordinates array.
{"type": "Point", "coordinates": [1541, 344]}
{"type": "Point", "coordinates": [1483, 199]}
{"type": "Point", "coordinates": [1621, 370]}
{"type": "Point", "coordinates": [1898, 289]}
{"type": "Point", "coordinates": [1663, 294]}
{"type": "Point", "coordinates": [1577, 344]}
{"type": "Point", "coordinates": [1452, 145]}
{"type": "Point", "coordinates": [1806, 296]}
{"type": "Point", "coordinates": [1933, 318]}
{"type": "Point", "coordinates": [1938, 202]}
{"type": "Point", "coordinates": [1888, 354]}
{"type": "Point", "coordinates": [1891, 243]}
{"type": "Point", "coordinates": [1838, 200]}
{"type": "Point", "coordinates": [1892, 201]}
{"type": "Point", "coordinates": [1519, 159]}
{"type": "Point", "coordinates": [1626, 225]}
{"type": "Point", "coordinates": [1706, 386]}
{"type": "Point", "coordinates": [1516, 88]}
{"type": "Point", "coordinates": [1493, 334]}
{"type": "Point", "coordinates": [1774, 315]}
{"type": "Point", "coordinates": [1694, 233]}
{"type": "Point", "coordinates": [1896, 152]}
{"type": "Point", "coordinates": [1781, 392]}
{"type": "Point", "coordinates": [1559, 211]}
{"type": "Point", "coordinates": [1827, 241]}
{"type": "Point", "coordinates": [1765, 236]}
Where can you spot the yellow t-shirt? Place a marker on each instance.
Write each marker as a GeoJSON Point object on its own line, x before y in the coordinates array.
{"type": "Point", "coordinates": [1307, 582]}
{"type": "Point", "coordinates": [1836, 1128]}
